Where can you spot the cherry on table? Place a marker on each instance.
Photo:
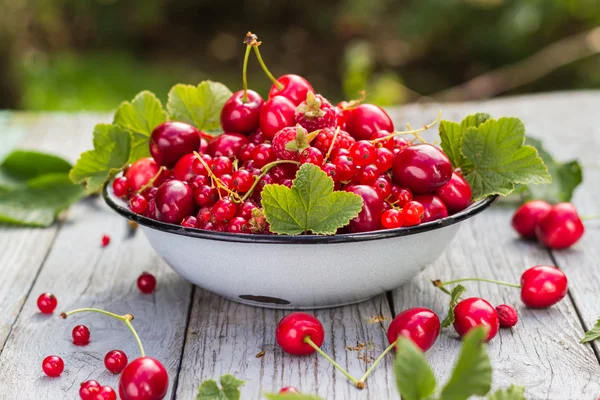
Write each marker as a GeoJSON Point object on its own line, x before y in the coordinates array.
{"type": "Point", "coordinates": [561, 227]}
{"type": "Point", "coordinates": [53, 366]}
{"type": "Point", "coordinates": [293, 328]}
{"type": "Point", "coordinates": [543, 286]}
{"type": "Point", "coordinates": [81, 335]}
{"type": "Point", "coordinates": [105, 241]}
{"type": "Point", "coordinates": [89, 389]}
{"type": "Point", "coordinates": [115, 361]}
{"type": "Point", "coordinates": [422, 168]}
{"type": "Point", "coordinates": [289, 389]}
{"type": "Point", "coordinates": [294, 87]}
{"type": "Point", "coordinates": [369, 218]}
{"type": "Point", "coordinates": [145, 378]}
{"type": "Point", "coordinates": [146, 282]}
{"type": "Point", "coordinates": [239, 115]}
{"type": "Point", "coordinates": [47, 303]}
{"type": "Point", "coordinates": [527, 217]}
{"type": "Point", "coordinates": [276, 114]}
{"type": "Point", "coordinates": [365, 120]}
{"type": "Point", "coordinates": [421, 325]}
{"type": "Point", "coordinates": [472, 312]}
{"type": "Point", "coordinates": [140, 173]}
{"type": "Point", "coordinates": [456, 193]}
{"type": "Point", "coordinates": [172, 140]}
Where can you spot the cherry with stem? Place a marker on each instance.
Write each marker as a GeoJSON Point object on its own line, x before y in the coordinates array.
{"type": "Point", "coordinates": [357, 383]}
{"type": "Point", "coordinates": [252, 41]}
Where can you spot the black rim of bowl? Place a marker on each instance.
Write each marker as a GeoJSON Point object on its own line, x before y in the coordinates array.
{"type": "Point", "coordinates": [120, 207]}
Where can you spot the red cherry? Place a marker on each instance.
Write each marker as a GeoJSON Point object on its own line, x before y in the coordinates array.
{"type": "Point", "coordinates": [543, 286]}
{"type": "Point", "coordinates": [289, 389]}
{"type": "Point", "coordinates": [366, 119]}
{"type": "Point", "coordinates": [174, 201]}
{"type": "Point", "coordinates": [433, 207]}
{"type": "Point", "coordinates": [172, 140]}
{"type": "Point", "coordinates": [507, 316]}
{"type": "Point", "coordinates": [53, 366]}
{"type": "Point", "coordinates": [183, 170]}
{"type": "Point", "coordinates": [420, 325]}
{"type": "Point", "coordinates": [105, 393]}
{"type": "Point", "coordinates": [121, 186]}
{"type": "Point", "coordinates": [422, 168]}
{"type": "Point", "coordinates": [227, 145]}
{"type": "Point", "coordinates": [456, 193]}
{"type": "Point", "coordinates": [47, 303]}
{"type": "Point", "coordinates": [561, 227]}
{"type": "Point", "coordinates": [527, 217]}
{"type": "Point", "coordinates": [140, 173]}
{"type": "Point", "coordinates": [473, 312]}
{"type": "Point", "coordinates": [276, 114]}
{"type": "Point", "coordinates": [369, 218]}
{"type": "Point", "coordinates": [81, 335]}
{"type": "Point", "coordinates": [391, 218]}
{"type": "Point", "coordinates": [239, 116]}
{"type": "Point", "coordinates": [295, 88]}
{"type": "Point", "coordinates": [293, 328]}
{"type": "Point", "coordinates": [89, 389]}
{"type": "Point", "coordinates": [146, 282]}
{"type": "Point", "coordinates": [144, 378]}
{"type": "Point", "coordinates": [115, 361]}
{"type": "Point", "coordinates": [412, 213]}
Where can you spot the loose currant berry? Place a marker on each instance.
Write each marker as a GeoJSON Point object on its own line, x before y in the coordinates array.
{"type": "Point", "coordinates": [363, 153]}
{"type": "Point", "coordinates": [106, 393]}
{"type": "Point", "coordinates": [323, 141]}
{"type": "Point", "coordinates": [420, 325]}
{"type": "Point", "coordinates": [366, 119]}
{"type": "Point", "coordinates": [140, 173]}
{"type": "Point", "coordinates": [115, 361]}
{"type": "Point", "coordinates": [138, 204]}
{"type": "Point", "coordinates": [81, 335]}
{"type": "Point", "coordinates": [221, 166]}
{"type": "Point", "coordinates": [224, 210]}
{"type": "Point", "coordinates": [89, 389]}
{"type": "Point", "coordinates": [189, 222]}
{"type": "Point", "coordinates": [289, 389]}
{"type": "Point", "coordinates": [543, 286]}
{"type": "Point", "coordinates": [262, 155]}
{"type": "Point", "coordinates": [239, 115]}
{"type": "Point", "coordinates": [105, 240]}
{"type": "Point", "coordinates": [294, 87]}
{"type": "Point", "coordinates": [172, 140]}
{"type": "Point", "coordinates": [412, 213]}
{"type": "Point", "coordinates": [507, 316]}
{"type": "Point", "coordinates": [473, 312]}
{"type": "Point", "coordinates": [527, 217]}
{"type": "Point", "coordinates": [422, 168]}
{"type": "Point", "coordinates": [47, 303]}
{"type": "Point", "coordinates": [146, 283]}
{"type": "Point", "coordinates": [561, 227]}
{"type": "Point", "coordinates": [315, 113]}
{"type": "Point", "coordinates": [276, 114]}
{"type": "Point", "coordinates": [227, 145]}
{"type": "Point", "coordinates": [206, 196]}
{"type": "Point", "coordinates": [145, 378]}
{"type": "Point", "coordinates": [294, 328]}
{"type": "Point", "coordinates": [383, 186]}
{"type": "Point", "coordinates": [401, 196]}
{"type": "Point", "coordinates": [369, 218]}
{"type": "Point", "coordinates": [53, 366]}
{"type": "Point", "coordinates": [384, 159]}
{"type": "Point", "coordinates": [174, 201]}
{"type": "Point", "coordinates": [120, 186]}
{"type": "Point", "coordinates": [238, 225]}
{"type": "Point", "coordinates": [433, 207]}
{"type": "Point", "coordinates": [311, 155]}
{"type": "Point", "coordinates": [367, 175]}
{"type": "Point", "coordinates": [456, 193]}
{"type": "Point", "coordinates": [242, 180]}
{"type": "Point", "coordinates": [286, 138]}
{"type": "Point", "coordinates": [345, 167]}
{"type": "Point", "coordinates": [391, 218]}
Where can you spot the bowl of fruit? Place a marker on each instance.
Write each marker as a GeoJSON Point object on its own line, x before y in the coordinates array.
{"type": "Point", "coordinates": [293, 202]}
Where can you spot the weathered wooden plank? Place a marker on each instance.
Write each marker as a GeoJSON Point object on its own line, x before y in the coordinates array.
{"type": "Point", "coordinates": [225, 337]}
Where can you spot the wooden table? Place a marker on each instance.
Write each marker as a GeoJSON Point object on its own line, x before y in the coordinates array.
{"type": "Point", "coordinates": [198, 335]}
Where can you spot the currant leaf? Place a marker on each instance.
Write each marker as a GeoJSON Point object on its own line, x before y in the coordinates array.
{"type": "Point", "coordinates": [454, 299]}
{"type": "Point", "coordinates": [414, 377]}
{"type": "Point", "coordinates": [592, 334]}
{"type": "Point", "coordinates": [21, 165]}
{"type": "Point", "coordinates": [451, 134]}
{"type": "Point", "coordinates": [198, 105]}
{"type": "Point", "coordinates": [291, 396]}
{"type": "Point", "coordinates": [511, 393]}
{"type": "Point", "coordinates": [310, 205]}
{"type": "Point", "coordinates": [230, 389]}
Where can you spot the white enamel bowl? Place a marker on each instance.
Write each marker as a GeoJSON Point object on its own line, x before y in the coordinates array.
{"type": "Point", "coordinates": [299, 272]}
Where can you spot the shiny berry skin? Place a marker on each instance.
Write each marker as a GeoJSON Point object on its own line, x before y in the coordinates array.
{"type": "Point", "coordinates": [105, 393]}
{"type": "Point", "coordinates": [227, 145]}
{"type": "Point", "coordinates": [205, 196]}
{"type": "Point", "coordinates": [345, 168]}
{"type": "Point", "coordinates": [146, 283]}
{"type": "Point", "coordinates": [120, 186]}
{"type": "Point", "coordinates": [145, 378]}
{"type": "Point", "coordinates": [198, 181]}
{"type": "Point", "coordinates": [105, 240]}
{"type": "Point", "coordinates": [543, 286]}
{"type": "Point", "coordinates": [367, 175]}
{"type": "Point", "coordinates": [315, 113]}
{"type": "Point", "coordinates": [224, 210]}
{"type": "Point", "coordinates": [323, 141]}
{"type": "Point", "coordinates": [174, 201]}
{"type": "Point", "coordinates": [421, 168]}
{"type": "Point", "coordinates": [115, 361]}
{"type": "Point", "coordinates": [242, 180]}
{"type": "Point", "coordinates": [89, 389]}
{"type": "Point", "coordinates": [507, 316]}
{"type": "Point", "coordinates": [293, 328]}
{"type": "Point", "coordinates": [200, 167]}
{"type": "Point", "coordinates": [239, 116]}
{"type": "Point", "coordinates": [384, 159]}
{"type": "Point", "coordinates": [138, 204]}
{"type": "Point", "coordinates": [412, 213]}
{"type": "Point", "coordinates": [527, 217]}
{"type": "Point", "coordinates": [311, 155]}
{"type": "Point", "coordinates": [189, 222]}
{"type": "Point", "coordinates": [53, 366]}
{"type": "Point", "coordinates": [81, 335]}
{"type": "Point", "coordinates": [172, 140]}
{"type": "Point", "coordinates": [433, 207]}
{"type": "Point", "coordinates": [289, 389]}
{"type": "Point", "coordinates": [456, 193]}
{"type": "Point", "coordinates": [420, 325]}
{"type": "Point", "coordinates": [391, 218]}
{"type": "Point", "coordinates": [238, 225]}
{"type": "Point", "coordinates": [401, 196]}
{"type": "Point", "coordinates": [383, 186]}
{"type": "Point", "coordinates": [282, 139]}
{"type": "Point", "coordinates": [366, 119]}
{"type": "Point", "coordinates": [276, 114]}
{"type": "Point", "coordinates": [183, 170]}
{"type": "Point", "coordinates": [363, 153]}
{"type": "Point", "coordinates": [561, 227]}
{"type": "Point", "coordinates": [246, 152]}
{"type": "Point", "coordinates": [330, 169]}
{"type": "Point", "coordinates": [262, 155]}
{"type": "Point", "coordinates": [369, 218]}
{"type": "Point", "coordinates": [473, 312]}
{"type": "Point", "coordinates": [257, 137]}
{"type": "Point", "coordinates": [295, 88]}
{"type": "Point", "coordinates": [245, 210]}
{"type": "Point", "coordinates": [140, 173]}
{"type": "Point", "coordinates": [47, 303]}
{"type": "Point", "coordinates": [221, 166]}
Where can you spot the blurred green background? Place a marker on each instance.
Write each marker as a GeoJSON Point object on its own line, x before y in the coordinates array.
{"type": "Point", "coordinates": [91, 54]}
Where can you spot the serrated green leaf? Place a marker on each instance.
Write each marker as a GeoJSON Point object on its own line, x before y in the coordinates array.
{"type": "Point", "coordinates": [291, 396]}
{"type": "Point", "coordinates": [231, 386]}
{"type": "Point", "coordinates": [457, 291]}
{"type": "Point", "coordinates": [112, 145]}
{"type": "Point", "coordinates": [500, 159]}
{"type": "Point", "coordinates": [592, 334]}
{"type": "Point", "coordinates": [414, 378]}
{"type": "Point", "coordinates": [451, 135]}
{"type": "Point", "coordinates": [310, 205]}
{"type": "Point", "coordinates": [511, 393]}
{"type": "Point", "coordinates": [472, 373]}
{"type": "Point", "coordinates": [209, 390]}
{"type": "Point", "coordinates": [474, 120]}
{"type": "Point", "coordinates": [198, 105]}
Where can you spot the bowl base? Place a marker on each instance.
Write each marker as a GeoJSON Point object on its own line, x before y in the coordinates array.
{"type": "Point", "coordinates": [270, 302]}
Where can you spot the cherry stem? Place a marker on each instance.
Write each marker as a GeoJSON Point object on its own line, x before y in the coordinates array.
{"type": "Point", "coordinates": [312, 344]}
{"type": "Point", "coordinates": [478, 280]}
{"type": "Point", "coordinates": [244, 75]}
{"type": "Point", "coordinates": [264, 68]}
{"type": "Point", "coordinates": [127, 318]}
{"type": "Point", "coordinates": [589, 217]}
{"type": "Point", "coordinates": [377, 361]}
{"type": "Point", "coordinates": [410, 131]}
{"type": "Point", "coordinates": [265, 169]}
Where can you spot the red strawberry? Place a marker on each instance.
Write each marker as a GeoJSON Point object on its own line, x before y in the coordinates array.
{"type": "Point", "coordinates": [316, 113]}
{"type": "Point", "coordinates": [325, 137]}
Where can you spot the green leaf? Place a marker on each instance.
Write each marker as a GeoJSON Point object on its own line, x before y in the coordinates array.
{"type": "Point", "coordinates": [511, 393]}
{"type": "Point", "coordinates": [27, 164]}
{"type": "Point", "coordinates": [140, 116]}
{"type": "Point", "coordinates": [231, 386]}
{"type": "Point", "coordinates": [500, 159]}
{"type": "Point", "coordinates": [454, 299]}
{"type": "Point", "coordinates": [592, 334]}
{"type": "Point", "coordinates": [474, 120]}
{"type": "Point", "coordinates": [209, 390]}
{"type": "Point", "coordinates": [292, 396]}
{"type": "Point", "coordinates": [451, 134]}
{"type": "Point", "coordinates": [112, 144]}
{"type": "Point", "coordinates": [39, 201]}
{"type": "Point", "coordinates": [472, 374]}
{"type": "Point", "coordinates": [414, 377]}
{"type": "Point", "coordinates": [310, 205]}
{"type": "Point", "coordinates": [198, 105]}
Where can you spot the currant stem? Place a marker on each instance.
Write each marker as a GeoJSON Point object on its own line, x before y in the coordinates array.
{"type": "Point", "coordinates": [479, 280]}
{"type": "Point", "coordinates": [215, 179]}
{"type": "Point", "coordinates": [312, 344]}
{"type": "Point", "coordinates": [335, 135]}
{"type": "Point", "coordinates": [265, 169]}
{"type": "Point", "coordinates": [411, 131]}
{"type": "Point", "coordinates": [244, 75]}
{"type": "Point", "coordinates": [264, 68]}
{"type": "Point", "coordinates": [372, 367]}
{"type": "Point", "coordinates": [151, 181]}
{"type": "Point", "coordinates": [127, 318]}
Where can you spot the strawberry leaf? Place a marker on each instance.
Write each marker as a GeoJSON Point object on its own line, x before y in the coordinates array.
{"type": "Point", "coordinates": [291, 396]}
{"type": "Point", "coordinates": [454, 299]}
{"type": "Point", "coordinates": [310, 205]}
{"type": "Point", "coordinates": [511, 393]}
{"type": "Point", "coordinates": [414, 378]}
{"type": "Point", "coordinates": [592, 334]}
{"type": "Point", "coordinates": [198, 105]}
{"type": "Point", "coordinates": [230, 389]}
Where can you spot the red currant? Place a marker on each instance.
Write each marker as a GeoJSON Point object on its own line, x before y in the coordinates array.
{"type": "Point", "coordinates": [257, 137]}
{"type": "Point", "coordinates": [420, 325]}
{"type": "Point", "coordinates": [189, 222]}
{"type": "Point", "coordinates": [138, 204]}
{"type": "Point", "coordinates": [543, 286]}
{"type": "Point", "coordinates": [276, 114]}
{"type": "Point", "coordinates": [172, 140]}
{"type": "Point", "coordinates": [246, 151]}
{"type": "Point", "coordinates": [422, 168]}
{"type": "Point", "coordinates": [224, 210]}
{"type": "Point", "coordinates": [391, 218]}
{"type": "Point", "coordinates": [53, 366]}
{"type": "Point", "coordinates": [366, 119]}
{"type": "Point", "coordinates": [221, 166]}
{"type": "Point", "coordinates": [239, 115]}
{"type": "Point", "coordinates": [412, 213]}
{"type": "Point", "coordinates": [473, 312]}
{"type": "Point", "coordinates": [383, 186]}
{"type": "Point", "coordinates": [106, 393]}
{"type": "Point", "coordinates": [246, 209]}
{"type": "Point", "coordinates": [205, 196]}
{"type": "Point", "coordinates": [146, 282]}
{"type": "Point", "coordinates": [331, 170]}
{"type": "Point", "coordinates": [262, 155]}
{"type": "Point", "coordinates": [507, 316]}
{"type": "Point", "coordinates": [367, 175]}
{"type": "Point", "coordinates": [242, 180]}
{"type": "Point", "coordinates": [89, 389]}
{"type": "Point", "coordinates": [311, 155]}
{"type": "Point", "coordinates": [199, 181]}
{"type": "Point", "coordinates": [174, 200]}
{"type": "Point", "coordinates": [434, 208]}
{"type": "Point", "coordinates": [344, 167]}
{"type": "Point", "coordinates": [115, 361]}
{"type": "Point", "coordinates": [145, 378]}
{"type": "Point", "coordinates": [105, 240]}
{"type": "Point", "coordinates": [383, 159]}
{"type": "Point", "coordinates": [528, 216]}
{"type": "Point", "coordinates": [120, 186]}
{"type": "Point", "coordinates": [369, 218]}
{"type": "Point", "coordinates": [363, 153]}
{"type": "Point", "coordinates": [294, 328]}
{"type": "Point", "coordinates": [81, 335]}
{"type": "Point", "coordinates": [456, 193]}
{"type": "Point", "coordinates": [401, 196]}
{"type": "Point", "coordinates": [238, 225]}
{"type": "Point", "coordinates": [47, 303]}
{"type": "Point", "coordinates": [295, 88]}
{"type": "Point", "coordinates": [561, 227]}
{"type": "Point", "coordinates": [140, 173]}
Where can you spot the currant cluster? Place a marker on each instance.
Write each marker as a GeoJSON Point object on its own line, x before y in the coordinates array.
{"type": "Point", "coordinates": [215, 183]}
